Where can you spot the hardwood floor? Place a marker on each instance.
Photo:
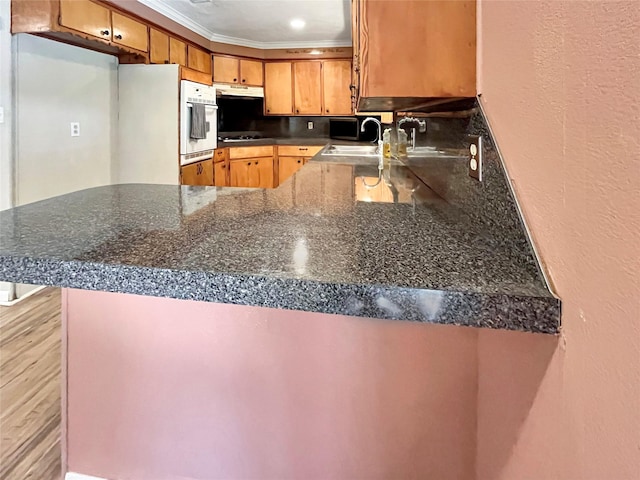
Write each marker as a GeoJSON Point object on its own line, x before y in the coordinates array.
{"type": "Point", "coordinates": [30, 388]}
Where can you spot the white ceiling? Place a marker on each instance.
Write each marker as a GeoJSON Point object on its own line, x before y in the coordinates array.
{"type": "Point", "coordinates": [263, 23]}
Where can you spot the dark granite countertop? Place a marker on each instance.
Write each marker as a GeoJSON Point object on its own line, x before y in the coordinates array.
{"type": "Point", "coordinates": [323, 241]}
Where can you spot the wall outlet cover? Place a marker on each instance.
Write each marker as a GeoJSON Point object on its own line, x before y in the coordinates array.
{"type": "Point", "coordinates": [475, 157]}
{"type": "Point", "coordinates": [310, 125]}
{"type": "Point", "coordinates": [75, 129]}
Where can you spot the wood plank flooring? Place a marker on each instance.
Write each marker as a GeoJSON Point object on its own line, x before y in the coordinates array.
{"type": "Point", "coordinates": [30, 388]}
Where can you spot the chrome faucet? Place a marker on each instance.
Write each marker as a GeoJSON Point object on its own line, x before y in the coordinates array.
{"type": "Point", "coordinates": [380, 152]}
{"type": "Point", "coordinates": [422, 127]}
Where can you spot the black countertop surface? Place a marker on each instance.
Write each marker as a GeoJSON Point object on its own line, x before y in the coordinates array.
{"type": "Point", "coordinates": [323, 241]}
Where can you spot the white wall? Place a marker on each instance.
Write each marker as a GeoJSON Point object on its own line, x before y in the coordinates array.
{"type": "Point", "coordinates": [57, 84]}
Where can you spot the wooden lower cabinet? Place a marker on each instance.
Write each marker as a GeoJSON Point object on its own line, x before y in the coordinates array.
{"type": "Point", "coordinates": [252, 172]}
{"type": "Point", "coordinates": [221, 174]}
{"type": "Point", "coordinates": [288, 166]}
{"type": "Point", "coordinates": [199, 173]}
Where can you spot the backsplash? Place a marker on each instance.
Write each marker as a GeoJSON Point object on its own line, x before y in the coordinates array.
{"type": "Point", "coordinates": [246, 115]}
{"type": "Point", "coordinates": [489, 202]}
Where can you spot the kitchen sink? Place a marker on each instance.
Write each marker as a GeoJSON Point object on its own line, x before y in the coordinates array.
{"type": "Point", "coordinates": [351, 150]}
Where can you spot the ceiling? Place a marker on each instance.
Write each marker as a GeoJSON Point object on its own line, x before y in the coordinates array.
{"type": "Point", "coordinates": [263, 23]}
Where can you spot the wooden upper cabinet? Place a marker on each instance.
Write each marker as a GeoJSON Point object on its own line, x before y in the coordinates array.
{"type": "Point", "coordinates": [235, 70]}
{"type": "Point", "coordinates": [278, 95]}
{"type": "Point", "coordinates": [129, 32]}
{"type": "Point", "coordinates": [225, 69]}
{"type": "Point", "coordinates": [336, 83]}
{"type": "Point", "coordinates": [177, 52]}
{"type": "Point", "coordinates": [307, 88]}
{"type": "Point", "coordinates": [251, 73]}
{"type": "Point", "coordinates": [158, 46]}
{"type": "Point", "coordinates": [84, 16]}
{"type": "Point", "coordinates": [434, 56]}
{"type": "Point", "coordinates": [198, 59]}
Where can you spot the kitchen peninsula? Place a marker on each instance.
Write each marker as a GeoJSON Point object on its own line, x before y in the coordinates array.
{"type": "Point", "coordinates": [280, 312]}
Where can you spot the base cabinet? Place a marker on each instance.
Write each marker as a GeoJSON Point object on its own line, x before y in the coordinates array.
{"type": "Point", "coordinates": [288, 166]}
{"type": "Point", "coordinates": [252, 172]}
{"type": "Point", "coordinates": [199, 173]}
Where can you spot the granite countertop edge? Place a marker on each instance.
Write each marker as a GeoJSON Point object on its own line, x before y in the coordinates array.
{"type": "Point", "coordinates": [533, 314]}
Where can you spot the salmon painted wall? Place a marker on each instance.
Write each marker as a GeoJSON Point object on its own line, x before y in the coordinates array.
{"type": "Point", "coordinates": [164, 389]}
{"type": "Point", "coordinates": [560, 83]}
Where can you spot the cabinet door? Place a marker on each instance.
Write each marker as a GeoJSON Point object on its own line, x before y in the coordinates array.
{"type": "Point", "coordinates": [239, 171]}
{"type": "Point", "coordinates": [251, 73]}
{"type": "Point", "coordinates": [225, 69]}
{"type": "Point", "coordinates": [307, 88]}
{"type": "Point", "coordinates": [278, 96]}
{"type": "Point", "coordinates": [221, 174]}
{"type": "Point", "coordinates": [263, 172]}
{"type": "Point", "coordinates": [336, 83]}
{"type": "Point", "coordinates": [177, 52]}
{"type": "Point", "coordinates": [289, 166]}
{"type": "Point", "coordinates": [86, 17]}
{"type": "Point", "coordinates": [129, 32]}
{"type": "Point", "coordinates": [252, 172]}
{"type": "Point", "coordinates": [200, 173]}
{"type": "Point", "coordinates": [158, 46]}
{"type": "Point", "coordinates": [198, 59]}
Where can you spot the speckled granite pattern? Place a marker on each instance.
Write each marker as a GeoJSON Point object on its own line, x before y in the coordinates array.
{"type": "Point", "coordinates": [315, 243]}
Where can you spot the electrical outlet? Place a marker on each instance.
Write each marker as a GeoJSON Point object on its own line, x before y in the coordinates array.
{"type": "Point", "coordinates": [310, 125]}
{"type": "Point", "coordinates": [75, 129]}
{"type": "Point", "coordinates": [475, 157]}
{"type": "Point", "coordinates": [1, 114]}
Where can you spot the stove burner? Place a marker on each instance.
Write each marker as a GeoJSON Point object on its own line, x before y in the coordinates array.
{"type": "Point", "coordinates": [239, 138]}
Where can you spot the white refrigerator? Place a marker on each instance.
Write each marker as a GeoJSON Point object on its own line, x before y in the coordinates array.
{"type": "Point", "coordinates": [149, 125]}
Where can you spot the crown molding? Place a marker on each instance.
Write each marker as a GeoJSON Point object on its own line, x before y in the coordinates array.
{"type": "Point", "coordinates": [171, 13]}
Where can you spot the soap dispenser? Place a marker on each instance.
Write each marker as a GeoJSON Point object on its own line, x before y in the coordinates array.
{"type": "Point", "coordinates": [386, 143]}
{"type": "Point", "coordinates": [402, 142]}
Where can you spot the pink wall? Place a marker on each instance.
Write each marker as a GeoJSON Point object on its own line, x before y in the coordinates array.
{"type": "Point", "coordinates": [560, 83]}
{"type": "Point", "coordinates": [169, 389]}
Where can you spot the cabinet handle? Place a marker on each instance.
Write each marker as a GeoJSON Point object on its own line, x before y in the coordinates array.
{"type": "Point", "coordinates": [297, 111]}
{"type": "Point", "coordinates": [104, 32]}
{"type": "Point", "coordinates": [224, 166]}
{"type": "Point", "coordinates": [248, 163]}
{"type": "Point", "coordinates": [235, 79]}
{"type": "Point", "coordinates": [118, 37]}
{"type": "Point", "coordinates": [256, 163]}
{"type": "Point", "coordinates": [327, 110]}
{"type": "Point", "coordinates": [299, 161]}
{"type": "Point", "coordinates": [244, 80]}
{"type": "Point", "coordinates": [268, 110]}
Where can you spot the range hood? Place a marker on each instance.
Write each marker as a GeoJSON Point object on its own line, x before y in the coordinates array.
{"type": "Point", "coordinates": [238, 91]}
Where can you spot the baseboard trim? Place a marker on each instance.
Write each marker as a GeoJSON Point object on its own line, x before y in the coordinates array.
{"type": "Point", "coordinates": [80, 476]}
{"type": "Point", "coordinates": [6, 303]}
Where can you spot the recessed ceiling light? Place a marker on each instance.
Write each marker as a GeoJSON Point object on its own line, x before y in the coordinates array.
{"type": "Point", "coordinates": [297, 24]}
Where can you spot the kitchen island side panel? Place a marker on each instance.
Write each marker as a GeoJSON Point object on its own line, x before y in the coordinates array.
{"type": "Point", "coordinates": [161, 388]}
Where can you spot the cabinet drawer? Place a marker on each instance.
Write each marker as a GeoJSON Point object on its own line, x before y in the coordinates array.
{"type": "Point", "coordinates": [129, 32]}
{"type": "Point", "coordinates": [298, 151]}
{"type": "Point", "coordinates": [200, 173]}
{"type": "Point", "coordinates": [248, 152]}
{"type": "Point", "coordinates": [220, 155]}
